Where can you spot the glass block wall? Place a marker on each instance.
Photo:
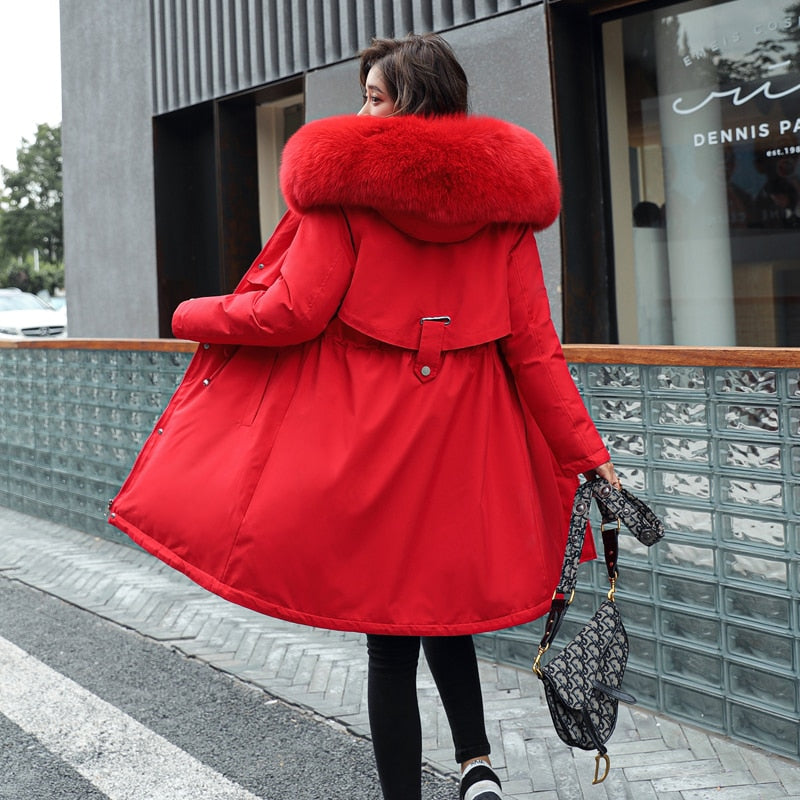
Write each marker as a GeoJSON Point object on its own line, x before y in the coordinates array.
{"type": "Point", "coordinates": [71, 422]}
{"type": "Point", "coordinates": [712, 612]}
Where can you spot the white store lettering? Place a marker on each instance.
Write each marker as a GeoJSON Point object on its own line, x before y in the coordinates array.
{"type": "Point", "coordinates": [742, 133]}
{"type": "Point", "coordinates": [737, 99]}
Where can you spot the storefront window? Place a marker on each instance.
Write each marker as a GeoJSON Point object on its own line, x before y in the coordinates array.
{"type": "Point", "coordinates": [703, 109]}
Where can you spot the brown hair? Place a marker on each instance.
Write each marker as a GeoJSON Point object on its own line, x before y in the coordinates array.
{"type": "Point", "coordinates": [421, 72]}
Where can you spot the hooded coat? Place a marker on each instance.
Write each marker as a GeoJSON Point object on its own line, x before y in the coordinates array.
{"type": "Point", "coordinates": [378, 431]}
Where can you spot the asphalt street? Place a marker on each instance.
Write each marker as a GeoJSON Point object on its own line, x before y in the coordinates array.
{"type": "Point", "coordinates": [89, 709]}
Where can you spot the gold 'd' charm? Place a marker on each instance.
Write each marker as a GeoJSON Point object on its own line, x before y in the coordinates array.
{"type": "Point", "coordinates": [607, 760]}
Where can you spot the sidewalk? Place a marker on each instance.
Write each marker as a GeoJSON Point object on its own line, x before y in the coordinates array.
{"type": "Point", "coordinates": [325, 672]}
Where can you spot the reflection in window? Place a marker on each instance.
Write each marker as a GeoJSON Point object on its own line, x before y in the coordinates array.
{"type": "Point", "coordinates": [703, 108]}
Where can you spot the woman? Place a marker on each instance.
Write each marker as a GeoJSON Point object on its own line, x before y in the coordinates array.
{"type": "Point", "coordinates": [379, 432]}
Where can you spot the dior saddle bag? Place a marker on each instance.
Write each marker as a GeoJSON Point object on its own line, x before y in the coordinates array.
{"type": "Point", "coordinates": [582, 683]}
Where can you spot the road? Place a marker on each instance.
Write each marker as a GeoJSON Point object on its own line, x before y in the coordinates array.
{"type": "Point", "coordinates": [91, 710]}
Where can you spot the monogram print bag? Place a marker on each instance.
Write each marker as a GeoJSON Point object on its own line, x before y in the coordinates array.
{"type": "Point", "coordinates": [582, 683]}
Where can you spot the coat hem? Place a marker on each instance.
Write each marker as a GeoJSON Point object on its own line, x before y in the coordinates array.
{"type": "Point", "coordinates": [255, 603]}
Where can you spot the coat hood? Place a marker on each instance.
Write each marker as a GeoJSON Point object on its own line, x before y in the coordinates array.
{"type": "Point", "coordinates": [438, 179]}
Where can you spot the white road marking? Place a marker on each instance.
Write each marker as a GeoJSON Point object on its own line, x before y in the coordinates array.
{"type": "Point", "coordinates": [121, 757]}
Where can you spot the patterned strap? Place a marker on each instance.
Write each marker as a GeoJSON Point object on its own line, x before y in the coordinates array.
{"type": "Point", "coordinates": [616, 506]}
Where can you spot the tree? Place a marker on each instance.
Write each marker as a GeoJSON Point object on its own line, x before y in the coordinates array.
{"type": "Point", "coordinates": [31, 200]}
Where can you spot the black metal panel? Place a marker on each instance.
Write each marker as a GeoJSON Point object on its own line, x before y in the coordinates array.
{"type": "Point", "coordinates": [187, 243]}
{"type": "Point", "coordinates": [206, 49]}
{"type": "Point", "coordinates": [589, 312]}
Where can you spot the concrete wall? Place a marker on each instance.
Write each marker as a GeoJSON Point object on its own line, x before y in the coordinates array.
{"type": "Point", "coordinates": [507, 64]}
{"type": "Point", "coordinates": [109, 209]}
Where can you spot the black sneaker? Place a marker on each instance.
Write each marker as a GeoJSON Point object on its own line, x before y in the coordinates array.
{"type": "Point", "coordinates": [480, 782]}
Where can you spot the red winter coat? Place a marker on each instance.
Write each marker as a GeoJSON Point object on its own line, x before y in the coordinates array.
{"type": "Point", "coordinates": [379, 429]}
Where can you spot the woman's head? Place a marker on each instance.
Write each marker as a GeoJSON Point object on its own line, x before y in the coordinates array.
{"type": "Point", "coordinates": [413, 75]}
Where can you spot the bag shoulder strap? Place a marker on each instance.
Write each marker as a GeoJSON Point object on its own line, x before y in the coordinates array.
{"type": "Point", "coordinates": [616, 506]}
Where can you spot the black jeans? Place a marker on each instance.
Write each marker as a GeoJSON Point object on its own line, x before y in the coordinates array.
{"type": "Point", "coordinates": [394, 713]}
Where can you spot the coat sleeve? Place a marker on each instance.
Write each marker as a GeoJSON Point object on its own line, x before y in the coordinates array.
{"type": "Point", "coordinates": [291, 301]}
{"type": "Point", "coordinates": [533, 352]}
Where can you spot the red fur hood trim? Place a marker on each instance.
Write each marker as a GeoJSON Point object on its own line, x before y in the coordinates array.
{"type": "Point", "coordinates": [457, 172]}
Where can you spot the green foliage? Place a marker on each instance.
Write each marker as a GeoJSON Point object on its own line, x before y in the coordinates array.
{"type": "Point", "coordinates": [31, 200]}
{"type": "Point", "coordinates": [23, 274]}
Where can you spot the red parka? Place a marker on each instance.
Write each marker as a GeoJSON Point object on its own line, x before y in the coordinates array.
{"type": "Point", "coordinates": [378, 431]}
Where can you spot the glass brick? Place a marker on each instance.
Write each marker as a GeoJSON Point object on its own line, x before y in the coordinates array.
{"type": "Point", "coordinates": [793, 383]}
{"type": "Point", "coordinates": [637, 615]}
{"type": "Point", "coordinates": [685, 520]}
{"type": "Point", "coordinates": [744, 567]}
{"type": "Point", "coordinates": [698, 705]}
{"type": "Point", "coordinates": [622, 411]}
{"type": "Point", "coordinates": [750, 455]}
{"type": "Point", "coordinates": [757, 419]}
{"type": "Point", "coordinates": [643, 686]}
{"type": "Point", "coordinates": [643, 650]}
{"type": "Point", "coordinates": [794, 421]}
{"type": "Point", "coordinates": [795, 457]}
{"type": "Point", "coordinates": [681, 448]}
{"type": "Point", "coordinates": [694, 485]}
{"type": "Point", "coordinates": [583, 604]}
{"type": "Point", "coordinates": [634, 581]}
{"type": "Point", "coordinates": [669, 378]}
{"type": "Point", "coordinates": [692, 664]}
{"type": "Point", "coordinates": [614, 376]}
{"type": "Point", "coordinates": [691, 593]}
{"type": "Point", "coordinates": [773, 689]}
{"type": "Point", "coordinates": [516, 651]}
{"type": "Point", "coordinates": [770, 731]}
{"type": "Point", "coordinates": [682, 414]}
{"type": "Point", "coordinates": [759, 645]}
{"type": "Point", "coordinates": [485, 646]}
{"type": "Point", "coordinates": [747, 530]}
{"type": "Point", "coordinates": [761, 608]}
{"type": "Point", "coordinates": [691, 628]}
{"type": "Point", "coordinates": [749, 493]}
{"type": "Point", "coordinates": [575, 374]}
{"type": "Point", "coordinates": [746, 381]}
{"type": "Point", "coordinates": [632, 478]}
{"type": "Point", "coordinates": [625, 444]}
{"type": "Point", "coordinates": [631, 549]}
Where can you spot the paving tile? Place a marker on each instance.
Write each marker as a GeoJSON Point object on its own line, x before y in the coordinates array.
{"type": "Point", "coordinates": [702, 780]}
{"type": "Point", "coordinates": [765, 791]}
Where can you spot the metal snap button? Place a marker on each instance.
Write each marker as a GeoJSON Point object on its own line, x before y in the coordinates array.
{"type": "Point", "coordinates": [206, 381]}
{"type": "Point", "coordinates": [425, 371]}
{"type": "Point", "coordinates": [206, 346]}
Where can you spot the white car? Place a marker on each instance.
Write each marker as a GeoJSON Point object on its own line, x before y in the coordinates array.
{"type": "Point", "coordinates": [25, 316]}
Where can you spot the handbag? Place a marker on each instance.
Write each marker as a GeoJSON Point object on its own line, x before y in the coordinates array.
{"type": "Point", "coordinates": [582, 683]}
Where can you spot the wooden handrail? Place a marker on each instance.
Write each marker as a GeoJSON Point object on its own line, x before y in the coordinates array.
{"type": "Point", "coordinates": [759, 357]}
{"type": "Point", "coordinates": [682, 356]}
{"type": "Point", "coordinates": [159, 345]}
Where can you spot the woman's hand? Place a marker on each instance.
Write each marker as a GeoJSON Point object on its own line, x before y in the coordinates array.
{"type": "Point", "coordinates": [605, 471]}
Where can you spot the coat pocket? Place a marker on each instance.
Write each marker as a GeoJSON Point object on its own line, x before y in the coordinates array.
{"type": "Point", "coordinates": [248, 374]}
